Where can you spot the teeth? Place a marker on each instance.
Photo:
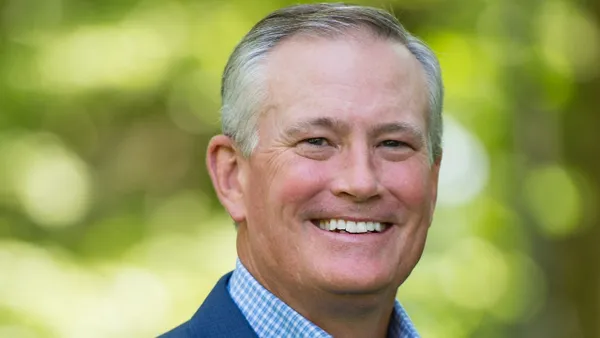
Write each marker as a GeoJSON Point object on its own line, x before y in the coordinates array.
{"type": "Point", "coordinates": [351, 226]}
{"type": "Point", "coordinates": [332, 225]}
{"type": "Point", "coordinates": [323, 225]}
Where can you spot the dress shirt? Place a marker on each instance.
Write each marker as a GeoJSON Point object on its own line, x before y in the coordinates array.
{"type": "Point", "coordinates": [269, 316]}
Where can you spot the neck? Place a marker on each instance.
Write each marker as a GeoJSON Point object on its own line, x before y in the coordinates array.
{"type": "Point", "coordinates": [341, 315]}
{"type": "Point", "coordinates": [349, 315]}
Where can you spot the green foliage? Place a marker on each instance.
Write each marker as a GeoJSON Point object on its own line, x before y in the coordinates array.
{"type": "Point", "coordinates": [108, 223]}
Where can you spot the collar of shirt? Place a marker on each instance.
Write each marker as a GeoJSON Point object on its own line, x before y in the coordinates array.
{"type": "Point", "coordinates": [269, 316]}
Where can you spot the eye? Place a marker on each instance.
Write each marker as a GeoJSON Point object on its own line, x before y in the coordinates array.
{"type": "Point", "coordinates": [315, 148]}
{"type": "Point", "coordinates": [316, 141]}
{"type": "Point", "coordinates": [393, 144]}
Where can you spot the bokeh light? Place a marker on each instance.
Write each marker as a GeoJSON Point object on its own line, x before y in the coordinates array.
{"type": "Point", "coordinates": [52, 184]}
{"type": "Point", "coordinates": [554, 199]}
{"type": "Point", "coordinates": [465, 168]}
{"type": "Point", "coordinates": [562, 26]}
{"type": "Point", "coordinates": [109, 226]}
{"type": "Point", "coordinates": [481, 290]}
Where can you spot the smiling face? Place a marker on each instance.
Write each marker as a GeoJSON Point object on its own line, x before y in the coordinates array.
{"type": "Point", "coordinates": [342, 141]}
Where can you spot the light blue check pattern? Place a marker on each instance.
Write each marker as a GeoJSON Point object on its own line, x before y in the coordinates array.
{"type": "Point", "coordinates": [271, 317]}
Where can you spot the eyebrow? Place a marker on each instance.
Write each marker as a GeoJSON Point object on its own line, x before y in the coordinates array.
{"type": "Point", "coordinates": [303, 126]}
{"type": "Point", "coordinates": [399, 127]}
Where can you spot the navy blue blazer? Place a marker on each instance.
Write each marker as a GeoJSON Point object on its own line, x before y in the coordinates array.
{"type": "Point", "coordinates": [218, 316]}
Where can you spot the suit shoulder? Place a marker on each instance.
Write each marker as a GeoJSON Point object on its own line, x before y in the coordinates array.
{"type": "Point", "coordinates": [218, 316]}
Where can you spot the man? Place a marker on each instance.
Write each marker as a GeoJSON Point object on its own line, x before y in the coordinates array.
{"type": "Point", "coordinates": [328, 164]}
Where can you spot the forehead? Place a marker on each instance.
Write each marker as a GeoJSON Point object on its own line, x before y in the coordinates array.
{"type": "Point", "coordinates": [359, 75]}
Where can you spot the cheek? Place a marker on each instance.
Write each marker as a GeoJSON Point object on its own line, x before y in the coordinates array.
{"type": "Point", "coordinates": [410, 182]}
{"type": "Point", "coordinates": [298, 181]}
{"type": "Point", "coordinates": [286, 184]}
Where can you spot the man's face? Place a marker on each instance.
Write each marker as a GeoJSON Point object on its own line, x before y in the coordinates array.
{"type": "Point", "coordinates": [343, 139]}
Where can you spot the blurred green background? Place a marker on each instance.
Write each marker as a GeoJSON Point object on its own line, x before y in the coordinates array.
{"type": "Point", "coordinates": [109, 226]}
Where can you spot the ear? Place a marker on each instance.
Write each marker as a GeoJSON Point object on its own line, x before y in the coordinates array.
{"type": "Point", "coordinates": [223, 162]}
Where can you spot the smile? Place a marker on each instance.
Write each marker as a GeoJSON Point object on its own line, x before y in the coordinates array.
{"type": "Point", "coordinates": [339, 225]}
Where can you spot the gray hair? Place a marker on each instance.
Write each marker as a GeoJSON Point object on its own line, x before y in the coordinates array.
{"type": "Point", "coordinates": [242, 89]}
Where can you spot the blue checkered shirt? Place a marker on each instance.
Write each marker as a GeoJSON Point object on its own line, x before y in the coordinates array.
{"type": "Point", "coordinates": [269, 316]}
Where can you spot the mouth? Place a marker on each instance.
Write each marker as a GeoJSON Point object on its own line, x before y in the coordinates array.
{"type": "Point", "coordinates": [352, 227]}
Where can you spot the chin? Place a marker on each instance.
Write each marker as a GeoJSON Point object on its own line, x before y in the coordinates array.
{"type": "Point", "coordinates": [357, 280]}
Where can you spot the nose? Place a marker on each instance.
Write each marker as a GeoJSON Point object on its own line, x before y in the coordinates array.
{"type": "Point", "coordinates": [357, 177]}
